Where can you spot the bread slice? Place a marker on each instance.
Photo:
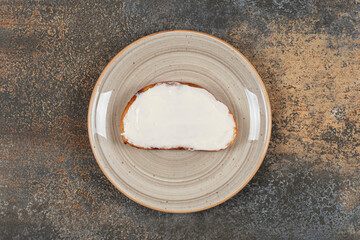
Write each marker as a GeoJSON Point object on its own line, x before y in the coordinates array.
{"type": "Point", "coordinates": [177, 116]}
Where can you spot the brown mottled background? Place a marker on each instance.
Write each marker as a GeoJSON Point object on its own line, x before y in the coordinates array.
{"type": "Point", "coordinates": [308, 54]}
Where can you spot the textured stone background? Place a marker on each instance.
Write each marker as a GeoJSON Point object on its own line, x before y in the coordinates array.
{"type": "Point", "coordinates": [308, 54]}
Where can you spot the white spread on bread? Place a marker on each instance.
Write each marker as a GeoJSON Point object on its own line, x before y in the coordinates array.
{"type": "Point", "coordinates": [174, 115]}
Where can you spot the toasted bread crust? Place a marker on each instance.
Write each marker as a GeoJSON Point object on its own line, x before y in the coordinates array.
{"type": "Point", "coordinates": [125, 140]}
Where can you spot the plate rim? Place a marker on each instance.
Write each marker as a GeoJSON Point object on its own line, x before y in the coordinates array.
{"type": "Point", "coordinates": [269, 127]}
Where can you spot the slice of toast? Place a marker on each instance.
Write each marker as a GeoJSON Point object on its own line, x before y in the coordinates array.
{"type": "Point", "coordinates": [177, 116]}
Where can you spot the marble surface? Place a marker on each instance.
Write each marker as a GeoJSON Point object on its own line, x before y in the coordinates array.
{"type": "Point", "coordinates": [307, 53]}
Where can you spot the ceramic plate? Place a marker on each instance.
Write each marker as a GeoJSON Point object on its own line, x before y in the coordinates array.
{"type": "Point", "coordinates": [175, 180]}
